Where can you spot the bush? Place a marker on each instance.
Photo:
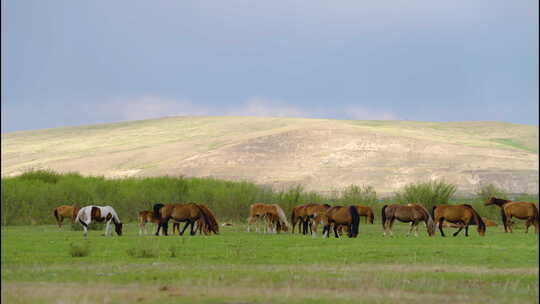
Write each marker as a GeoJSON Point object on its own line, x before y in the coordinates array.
{"type": "Point", "coordinates": [488, 191]}
{"type": "Point", "coordinates": [79, 250]}
{"type": "Point", "coordinates": [428, 194]}
{"type": "Point", "coordinates": [144, 249]}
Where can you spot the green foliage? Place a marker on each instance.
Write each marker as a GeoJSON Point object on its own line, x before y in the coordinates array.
{"type": "Point", "coordinates": [428, 194]}
{"type": "Point", "coordinates": [145, 249]}
{"type": "Point", "coordinates": [46, 176]}
{"type": "Point", "coordinates": [356, 195]}
{"type": "Point", "coordinates": [79, 249]}
{"type": "Point", "coordinates": [488, 191]}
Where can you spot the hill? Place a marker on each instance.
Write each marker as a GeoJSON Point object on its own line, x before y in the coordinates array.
{"type": "Point", "coordinates": [319, 154]}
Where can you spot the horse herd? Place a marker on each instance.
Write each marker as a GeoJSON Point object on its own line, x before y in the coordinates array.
{"type": "Point", "coordinates": [342, 219]}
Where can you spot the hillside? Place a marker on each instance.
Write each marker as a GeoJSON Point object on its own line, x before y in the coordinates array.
{"type": "Point", "coordinates": [320, 154]}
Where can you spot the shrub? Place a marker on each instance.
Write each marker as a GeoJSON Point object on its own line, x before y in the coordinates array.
{"type": "Point", "coordinates": [144, 248]}
{"type": "Point", "coordinates": [487, 191]}
{"type": "Point", "coordinates": [428, 194]}
{"type": "Point", "coordinates": [79, 250]}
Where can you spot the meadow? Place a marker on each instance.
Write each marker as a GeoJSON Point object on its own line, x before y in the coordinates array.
{"type": "Point", "coordinates": [240, 267]}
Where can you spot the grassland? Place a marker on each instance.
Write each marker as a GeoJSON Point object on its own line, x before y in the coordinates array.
{"type": "Point", "coordinates": [320, 154]}
{"type": "Point", "coordinates": [241, 267]}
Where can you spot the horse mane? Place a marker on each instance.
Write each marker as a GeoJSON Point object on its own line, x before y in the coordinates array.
{"type": "Point", "coordinates": [209, 219]}
{"type": "Point", "coordinates": [424, 209]}
{"type": "Point", "coordinates": [156, 209]}
{"type": "Point", "coordinates": [477, 218]}
{"type": "Point", "coordinates": [281, 215]}
{"type": "Point", "coordinates": [500, 200]}
{"type": "Point", "coordinates": [327, 205]}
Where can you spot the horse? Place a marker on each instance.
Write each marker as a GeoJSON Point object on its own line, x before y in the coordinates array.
{"type": "Point", "coordinates": [188, 213]}
{"type": "Point", "coordinates": [367, 212]}
{"type": "Point", "coordinates": [314, 216]}
{"type": "Point", "coordinates": [487, 222]}
{"type": "Point", "coordinates": [521, 210]}
{"type": "Point", "coordinates": [463, 214]}
{"type": "Point", "coordinates": [272, 214]}
{"type": "Point", "coordinates": [339, 215]}
{"type": "Point", "coordinates": [410, 213]}
{"type": "Point", "coordinates": [65, 211]}
{"type": "Point", "coordinates": [99, 214]}
{"type": "Point", "coordinates": [298, 215]}
{"type": "Point", "coordinates": [146, 217]}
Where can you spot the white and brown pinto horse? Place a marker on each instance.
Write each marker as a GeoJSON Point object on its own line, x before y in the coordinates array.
{"type": "Point", "coordinates": [99, 214]}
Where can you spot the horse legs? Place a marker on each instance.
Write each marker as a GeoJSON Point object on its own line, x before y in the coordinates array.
{"type": "Point", "coordinates": [441, 220]}
{"type": "Point", "coordinates": [192, 224]}
{"type": "Point", "coordinates": [335, 230]}
{"type": "Point", "coordinates": [390, 224]}
{"type": "Point", "coordinates": [182, 232]}
{"type": "Point", "coordinates": [510, 224]}
{"type": "Point", "coordinates": [457, 232]}
{"type": "Point", "coordinates": [411, 228]}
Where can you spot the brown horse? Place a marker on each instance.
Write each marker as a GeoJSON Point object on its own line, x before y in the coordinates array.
{"type": "Point", "coordinates": [410, 213]}
{"type": "Point", "coordinates": [299, 215]}
{"type": "Point", "coordinates": [314, 215]}
{"type": "Point", "coordinates": [65, 211]}
{"type": "Point", "coordinates": [464, 215]}
{"type": "Point", "coordinates": [189, 213]}
{"type": "Point", "coordinates": [146, 217]}
{"type": "Point", "coordinates": [521, 210]}
{"type": "Point", "coordinates": [487, 222]}
{"type": "Point", "coordinates": [367, 212]}
{"type": "Point", "coordinates": [339, 215]}
{"type": "Point", "coordinates": [272, 214]}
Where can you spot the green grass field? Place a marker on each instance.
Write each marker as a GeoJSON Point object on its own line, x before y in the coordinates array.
{"type": "Point", "coordinates": [241, 267]}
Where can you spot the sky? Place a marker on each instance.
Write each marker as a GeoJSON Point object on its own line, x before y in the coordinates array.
{"type": "Point", "coordinates": [68, 63]}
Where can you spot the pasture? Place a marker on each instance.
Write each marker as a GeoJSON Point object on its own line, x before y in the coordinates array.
{"type": "Point", "coordinates": [240, 267]}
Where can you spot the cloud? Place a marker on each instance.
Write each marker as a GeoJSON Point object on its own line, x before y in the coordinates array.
{"type": "Point", "coordinates": [259, 106]}
{"type": "Point", "coordinates": [31, 117]}
{"type": "Point", "coordinates": [363, 113]}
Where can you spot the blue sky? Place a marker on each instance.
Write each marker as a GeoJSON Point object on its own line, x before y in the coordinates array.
{"type": "Point", "coordinates": [70, 63]}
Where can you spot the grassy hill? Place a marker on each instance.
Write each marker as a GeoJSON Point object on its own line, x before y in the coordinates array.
{"type": "Point", "coordinates": [320, 154]}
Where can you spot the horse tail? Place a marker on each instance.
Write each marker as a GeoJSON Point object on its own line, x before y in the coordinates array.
{"type": "Point", "coordinates": [157, 208]}
{"type": "Point", "coordinates": [371, 216]}
{"type": "Point", "coordinates": [209, 219]}
{"type": "Point", "coordinates": [293, 217]}
{"type": "Point", "coordinates": [535, 213]}
{"type": "Point", "coordinates": [355, 220]}
{"type": "Point", "coordinates": [281, 215]}
{"type": "Point", "coordinates": [383, 215]}
{"type": "Point", "coordinates": [56, 215]}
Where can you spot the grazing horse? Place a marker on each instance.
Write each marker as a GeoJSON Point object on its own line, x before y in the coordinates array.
{"type": "Point", "coordinates": [272, 214]}
{"type": "Point", "coordinates": [410, 213]}
{"type": "Point", "coordinates": [464, 215]}
{"type": "Point", "coordinates": [189, 213]}
{"type": "Point", "coordinates": [339, 215]}
{"type": "Point", "coordinates": [65, 211]}
{"type": "Point", "coordinates": [487, 222]}
{"type": "Point", "coordinates": [521, 210]}
{"type": "Point", "coordinates": [99, 214]}
{"type": "Point", "coordinates": [146, 217]}
{"type": "Point", "coordinates": [367, 212]}
{"type": "Point", "coordinates": [299, 216]}
{"type": "Point", "coordinates": [314, 216]}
